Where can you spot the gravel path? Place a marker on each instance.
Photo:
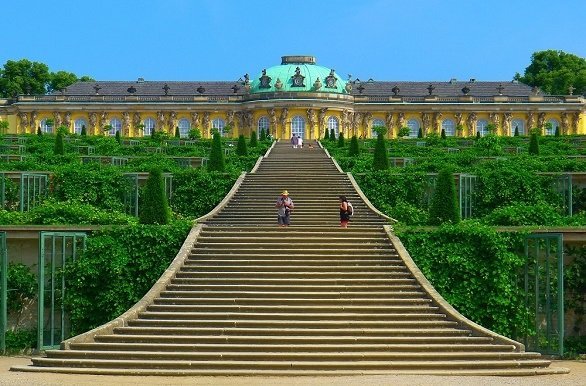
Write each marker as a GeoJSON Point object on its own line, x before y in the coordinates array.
{"type": "Point", "coordinates": [577, 377]}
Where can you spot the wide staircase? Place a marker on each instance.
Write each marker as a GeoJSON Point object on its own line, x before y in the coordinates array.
{"type": "Point", "coordinates": [253, 298]}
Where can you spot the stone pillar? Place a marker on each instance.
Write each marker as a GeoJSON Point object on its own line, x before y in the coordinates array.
{"type": "Point", "coordinates": [283, 121]}
{"type": "Point", "coordinates": [205, 123]}
{"type": "Point", "coordinates": [93, 123]}
{"type": "Point", "coordinates": [310, 122]}
{"type": "Point", "coordinates": [471, 122]}
{"type": "Point", "coordinates": [321, 121]}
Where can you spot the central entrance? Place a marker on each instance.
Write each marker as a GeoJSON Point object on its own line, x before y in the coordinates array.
{"type": "Point", "coordinates": [298, 126]}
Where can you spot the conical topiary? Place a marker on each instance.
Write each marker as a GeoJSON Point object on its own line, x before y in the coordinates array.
{"type": "Point", "coordinates": [557, 132]}
{"type": "Point", "coordinates": [420, 133]}
{"type": "Point", "coordinates": [332, 134]}
{"type": "Point", "coordinates": [83, 131]}
{"type": "Point", "coordinates": [477, 134]}
{"type": "Point", "coordinates": [177, 133]}
{"type": "Point", "coordinates": [443, 134]}
{"type": "Point", "coordinates": [444, 203]}
{"type": "Point", "coordinates": [253, 140]}
{"type": "Point", "coordinates": [59, 147]}
{"type": "Point", "coordinates": [354, 149]}
{"type": "Point", "coordinates": [380, 160]}
{"type": "Point", "coordinates": [263, 135]}
{"type": "Point", "coordinates": [326, 135]}
{"type": "Point", "coordinates": [516, 131]}
{"type": "Point", "coordinates": [241, 148]}
{"type": "Point", "coordinates": [154, 208]}
{"type": "Point", "coordinates": [534, 144]}
{"type": "Point", "coordinates": [39, 132]}
{"type": "Point", "coordinates": [118, 139]}
{"type": "Point", "coordinates": [216, 162]}
{"type": "Point", "coordinates": [341, 139]}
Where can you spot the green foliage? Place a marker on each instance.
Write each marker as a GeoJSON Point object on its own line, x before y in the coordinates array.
{"type": "Point", "coordinates": [354, 149]}
{"type": "Point", "coordinates": [381, 158]}
{"type": "Point", "coordinates": [177, 133]}
{"type": "Point", "coordinates": [557, 131]}
{"type": "Point", "coordinates": [403, 132]}
{"type": "Point", "coordinates": [39, 132]}
{"type": "Point", "coordinates": [253, 139]}
{"type": "Point", "coordinates": [490, 144]}
{"type": "Point", "coordinates": [59, 148]}
{"type": "Point", "coordinates": [83, 131]}
{"type": "Point", "coordinates": [575, 347]}
{"type": "Point", "coordinates": [341, 139]}
{"type": "Point", "coordinates": [420, 133]}
{"type": "Point", "coordinates": [153, 207]}
{"type": "Point", "coordinates": [332, 135]}
{"type": "Point", "coordinates": [241, 148]}
{"type": "Point", "coordinates": [59, 80]}
{"type": "Point", "coordinates": [20, 340]}
{"type": "Point", "coordinates": [217, 162]}
{"type": "Point", "coordinates": [326, 135]}
{"type": "Point", "coordinates": [523, 214]}
{"type": "Point", "coordinates": [263, 135]}
{"type": "Point", "coordinates": [555, 71]}
{"type": "Point", "coordinates": [52, 212]}
{"type": "Point", "coordinates": [575, 288]}
{"type": "Point", "coordinates": [23, 77]}
{"type": "Point", "coordinates": [117, 137]}
{"type": "Point", "coordinates": [478, 135]}
{"type": "Point", "coordinates": [533, 144]}
{"type": "Point", "coordinates": [409, 214]}
{"type": "Point", "coordinates": [12, 218]}
{"type": "Point", "coordinates": [443, 134]}
{"type": "Point", "coordinates": [444, 203]}
{"type": "Point", "coordinates": [475, 269]}
{"type": "Point", "coordinates": [22, 285]}
{"type": "Point", "coordinates": [516, 131]}
{"type": "Point", "coordinates": [131, 257]}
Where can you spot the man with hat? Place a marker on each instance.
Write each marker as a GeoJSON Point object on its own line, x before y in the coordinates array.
{"type": "Point", "coordinates": [284, 206]}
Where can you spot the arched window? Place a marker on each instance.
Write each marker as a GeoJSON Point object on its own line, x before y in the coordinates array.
{"type": "Point", "coordinates": [184, 127]}
{"type": "Point", "coordinates": [149, 126]}
{"type": "Point", "coordinates": [449, 127]}
{"type": "Point", "coordinates": [116, 126]}
{"type": "Point", "coordinates": [78, 126]}
{"type": "Point", "coordinates": [481, 125]}
{"type": "Point", "coordinates": [47, 125]}
{"type": "Point", "coordinates": [263, 124]}
{"type": "Point", "coordinates": [218, 124]}
{"type": "Point", "coordinates": [413, 125]}
{"type": "Point", "coordinates": [551, 125]}
{"type": "Point", "coordinates": [376, 123]}
{"type": "Point", "coordinates": [518, 124]}
{"type": "Point", "coordinates": [334, 124]}
{"type": "Point", "coordinates": [298, 126]}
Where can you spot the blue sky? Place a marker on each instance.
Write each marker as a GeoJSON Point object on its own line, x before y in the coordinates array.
{"type": "Point", "coordinates": [417, 40]}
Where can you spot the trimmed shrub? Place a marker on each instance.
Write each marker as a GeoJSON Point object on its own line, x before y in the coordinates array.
{"type": "Point", "coordinates": [263, 135]}
{"type": "Point", "coordinates": [59, 147]}
{"type": "Point", "coordinates": [326, 135]}
{"type": "Point", "coordinates": [253, 139]}
{"type": "Point", "coordinates": [354, 149]}
{"type": "Point", "coordinates": [83, 131]}
{"type": "Point", "coordinates": [341, 140]}
{"type": "Point", "coordinates": [241, 148]}
{"type": "Point", "coordinates": [177, 132]}
{"type": "Point", "coordinates": [117, 137]}
{"type": "Point", "coordinates": [332, 135]}
{"type": "Point", "coordinates": [523, 214]}
{"type": "Point", "coordinates": [534, 144]}
{"type": "Point", "coordinates": [444, 203]}
{"type": "Point", "coordinates": [443, 134]}
{"type": "Point", "coordinates": [478, 135]}
{"type": "Point", "coordinates": [557, 131]}
{"type": "Point", "coordinates": [153, 208]}
{"type": "Point", "coordinates": [217, 162]}
{"type": "Point", "coordinates": [420, 133]}
{"type": "Point", "coordinates": [381, 159]}
{"type": "Point", "coordinates": [516, 131]}
{"type": "Point", "coordinates": [39, 132]}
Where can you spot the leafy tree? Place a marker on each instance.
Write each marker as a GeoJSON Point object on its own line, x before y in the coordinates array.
{"type": "Point", "coordinates": [241, 148]}
{"type": "Point", "coordinates": [444, 204]}
{"type": "Point", "coordinates": [354, 149]}
{"type": "Point", "coordinates": [381, 160]}
{"type": "Point", "coordinates": [59, 148]}
{"type": "Point", "coordinates": [23, 77]}
{"type": "Point", "coordinates": [216, 161]}
{"type": "Point", "coordinates": [555, 71]}
{"type": "Point", "coordinates": [341, 140]}
{"type": "Point", "coordinates": [253, 139]}
{"type": "Point", "coordinates": [59, 80]}
{"type": "Point", "coordinates": [534, 144]}
{"type": "Point", "coordinates": [326, 135]}
{"type": "Point", "coordinates": [490, 143]}
{"type": "Point", "coordinates": [194, 133]}
{"type": "Point", "coordinates": [420, 133]}
{"type": "Point", "coordinates": [154, 208]}
{"type": "Point", "coordinates": [403, 132]}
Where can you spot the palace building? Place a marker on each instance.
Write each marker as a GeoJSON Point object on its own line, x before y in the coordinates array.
{"type": "Point", "coordinates": [296, 97]}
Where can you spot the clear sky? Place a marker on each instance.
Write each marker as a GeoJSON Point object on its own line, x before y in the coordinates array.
{"type": "Point", "coordinates": [419, 40]}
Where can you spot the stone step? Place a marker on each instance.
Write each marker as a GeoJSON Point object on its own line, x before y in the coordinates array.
{"type": "Point", "coordinates": [284, 301]}
{"type": "Point", "coordinates": [294, 274]}
{"type": "Point", "coordinates": [219, 250]}
{"type": "Point", "coordinates": [280, 308]}
{"type": "Point", "coordinates": [284, 316]}
{"type": "Point", "coordinates": [303, 282]}
{"type": "Point", "coordinates": [281, 261]}
{"type": "Point", "coordinates": [288, 294]}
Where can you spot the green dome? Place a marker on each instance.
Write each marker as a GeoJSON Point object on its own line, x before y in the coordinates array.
{"type": "Point", "coordinates": [298, 73]}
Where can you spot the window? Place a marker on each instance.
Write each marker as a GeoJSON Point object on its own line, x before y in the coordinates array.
{"type": "Point", "coordinates": [413, 125]}
{"type": "Point", "coordinates": [47, 125]}
{"type": "Point", "coordinates": [376, 123]}
{"type": "Point", "coordinates": [184, 127]}
{"type": "Point", "coordinates": [218, 124]}
{"type": "Point", "coordinates": [149, 126]}
{"type": "Point", "coordinates": [481, 125]}
{"type": "Point", "coordinates": [78, 126]}
{"type": "Point", "coordinates": [333, 124]}
{"type": "Point", "coordinates": [519, 124]}
{"type": "Point", "coordinates": [449, 127]}
{"type": "Point", "coordinates": [263, 124]}
{"type": "Point", "coordinates": [116, 126]}
{"type": "Point", "coordinates": [550, 126]}
{"type": "Point", "coordinates": [298, 126]}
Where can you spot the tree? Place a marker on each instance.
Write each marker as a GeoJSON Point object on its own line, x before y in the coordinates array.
{"type": "Point", "coordinates": [23, 77]}
{"type": "Point", "coordinates": [194, 134]}
{"type": "Point", "coordinates": [4, 127]}
{"type": "Point", "coordinates": [332, 134]}
{"type": "Point", "coordinates": [354, 149]}
{"type": "Point", "coordinates": [59, 80]}
{"type": "Point", "coordinates": [381, 160]}
{"type": "Point", "coordinates": [59, 147]}
{"type": "Point", "coordinates": [554, 72]}
{"type": "Point", "coordinates": [534, 144]}
{"type": "Point", "coordinates": [154, 208]}
{"type": "Point", "coordinates": [177, 133]}
{"type": "Point", "coordinates": [557, 131]}
{"type": "Point", "coordinates": [327, 135]}
{"type": "Point", "coordinates": [241, 148]}
{"type": "Point", "coordinates": [217, 162]}
{"type": "Point", "coordinates": [341, 140]}
{"type": "Point", "coordinates": [403, 132]}
{"type": "Point", "coordinates": [253, 139]}
{"type": "Point", "coordinates": [516, 131]}
{"type": "Point", "coordinates": [263, 135]}
{"type": "Point", "coordinates": [443, 134]}
{"type": "Point", "coordinates": [83, 131]}
{"type": "Point", "coordinates": [420, 133]}
{"type": "Point", "coordinates": [444, 203]}
{"type": "Point", "coordinates": [117, 137]}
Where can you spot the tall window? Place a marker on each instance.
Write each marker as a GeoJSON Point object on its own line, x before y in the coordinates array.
{"type": "Point", "coordinates": [184, 126]}
{"type": "Point", "coordinates": [263, 124]}
{"type": "Point", "coordinates": [333, 124]}
{"type": "Point", "coordinates": [149, 126]}
{"type": "Point", "coordinates": [413, 125]}
{"type": "Point", "coordinates": [47, 125]}
{"type": "Point", "coordinates": [449, 127]}
{"type": "Point", "coordinates": [218, 124]}
{"type": "Point", "coordinates": [518, 124]}
{"type": "Point", "coordinates": [78, 126]}
{"type": "Point", "coordinates": [376, 123]}
{"type": "Point", "coordinates": [553, 124]}
{"type": "Point", "coordinates": [298, 126]}
{"type": "Point", "coordinates": [481, 125]}
{"type": "Point", "coordinates": [116, 126]}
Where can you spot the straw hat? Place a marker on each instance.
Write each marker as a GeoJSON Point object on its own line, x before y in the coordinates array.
{"type": "Point", "coordinates": [285, 193]}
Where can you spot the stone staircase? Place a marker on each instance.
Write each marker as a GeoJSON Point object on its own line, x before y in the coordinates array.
{"type": "Point", "coordinates": [251, 298]}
